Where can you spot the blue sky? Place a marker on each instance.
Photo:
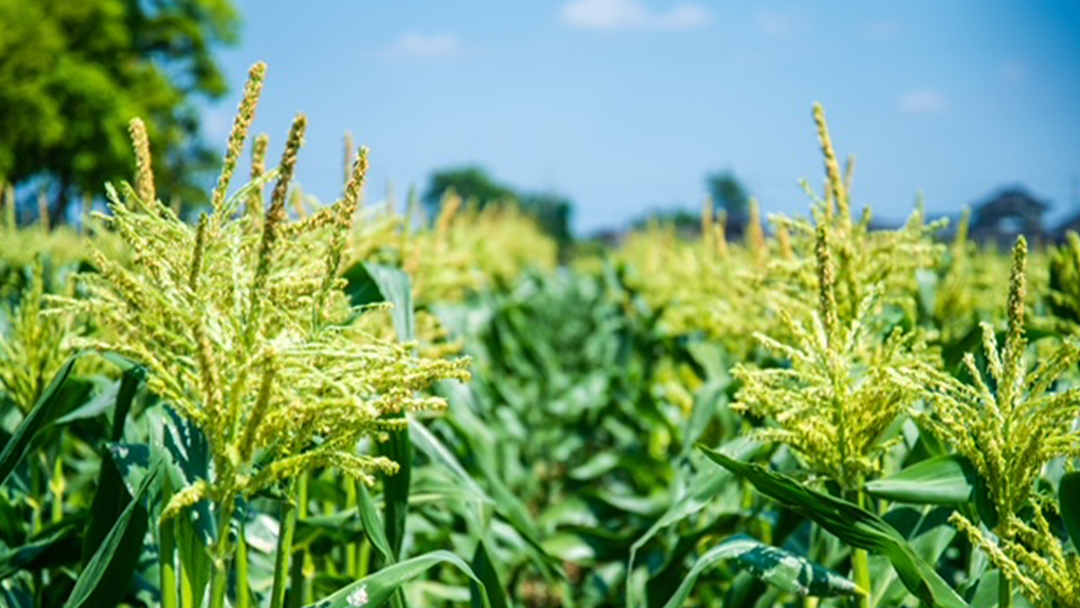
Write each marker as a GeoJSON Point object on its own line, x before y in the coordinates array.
{"type": "Point", "coordinates": [625, 105]}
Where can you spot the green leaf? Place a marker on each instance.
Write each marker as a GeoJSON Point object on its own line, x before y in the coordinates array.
{"type": "Point", "coordinates": [373, 525]}
{"type": "Point", "coordinates": [704, 485]}
{"type": "Point", "coordinates": [59, 398]}
{"type": "Point", "coordinates": [396, 488]}
{"type": "Point", "coordinates": [374, 590]}
{"type": "Point", "coordinates": [1069, 499]}
{"type": "Point", "coordinates": [851, 524]}
{"type": "Point", "coordinates": [189, 457]}
{"type": "Point", "coordinates": [599, 465]}
{"type": "Point", "coordinates": [105, 580]}
{"type": "Point", "coordinates": [111, 496]}
{"type": "Point", "coordinates": [943, 480]}
{"type": "Point", "coordinates": [56, 545]}
{"type": "Point", "coordinates": [928, 531]}
{"type": "Point", "coordinates": [485, 570]}
{"type": "Point", "coordinates": [783, 569]}
{"type": "Point", "coordinates": [194, 529]}
{"type": "Point", "coordinates": [368, 284]}
{"type": "Point", "coordinates": [430, 445]}
{"type": "Point", "coordinates": [373, 283]}
{"type": "Point", "coordinates": [336, 529]}
{"type": "Point", "coordinates": [506, 503]}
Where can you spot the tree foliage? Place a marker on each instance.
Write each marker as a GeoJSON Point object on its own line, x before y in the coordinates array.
{"type": "Point", "coordinates": [728, 194]}
{"type": "Point", "coordinates": [475, 186]}
{"type": "Point", "coordinates": [72, 74]}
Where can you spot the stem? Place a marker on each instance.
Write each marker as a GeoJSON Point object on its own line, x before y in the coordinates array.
{"type": "Point", "coordinates": [187, 591]}
{"type": "Point", "coordinates": [860, 560]}
{"type": "Point", "coordinates": [284, 547]}
{"type": "Point", "coordinates": [352, 550]}
{"type": "Point", "coordinates": [307, 569]}
{"type": "Point", "coordinates": [57, 485]}
{"type": "Point", "coordinates": [243, 592]}
{"type": "Point", "coordinates": [860, 563]}
{"type": "Point", "coordinates": [219, 576]}
{"type": "Point", "coordinates": [1005, 596]}
{"type": "Point", "coordinates": [166, 563]}
{"type": "Point", "coordinates": [300, 590]}
{"type": "Point", "coordinates": [37, 494]}
{"type": "Point", "coordinates": [365, 558]}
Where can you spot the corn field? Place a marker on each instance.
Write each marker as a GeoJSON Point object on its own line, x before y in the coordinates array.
{"type": "Point", "coordinates": [286, 404]}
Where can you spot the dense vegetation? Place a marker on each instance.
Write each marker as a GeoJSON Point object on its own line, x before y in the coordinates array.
{"type": "Point", "coordinates": [276, 404]}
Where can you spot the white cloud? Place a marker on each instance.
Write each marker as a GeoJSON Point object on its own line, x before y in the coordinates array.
{"type": "Point", "coordinates": [780, 23]}
{"type": "Point", "coordinates": [922, 101]}
{"type": "Point", "coordinates": [425, 46]}
{"type": "Point", "coordinates": [613, 15]}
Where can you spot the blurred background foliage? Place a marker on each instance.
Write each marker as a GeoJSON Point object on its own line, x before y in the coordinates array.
{"type": "Point", "coordinates": [72, 74]}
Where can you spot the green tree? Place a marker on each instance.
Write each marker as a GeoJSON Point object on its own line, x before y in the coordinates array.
{"type": "Point", "coordinates": [72, 74]}
{"type": "Point", "coordinates": [728, 193]}
{"type": "Point", "coordinates": [552, 211]}
{"type": "Point", "coordinates": [685, 222]}
{"type": "Point", "coordinates": [470, 183]}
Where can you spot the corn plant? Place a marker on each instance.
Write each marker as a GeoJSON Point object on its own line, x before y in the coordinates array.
{"type": "Point", "coordinates": [1009, 423]}
{"type": "Point", "coordinates": [247, 334]}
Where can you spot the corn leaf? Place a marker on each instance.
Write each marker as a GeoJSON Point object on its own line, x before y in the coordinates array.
{"type": "Point", "coordinates": [373, 525]}
{"type": "Point", "coordinates": [1069, 499]}
{"type": "Point", "coordinates": [56, 545]}
{"type": "Point", "coordinates": [705, 483]}
{"type": "Point", "coordinates": [106, 578]}
{"type": "Point", "coordinates": [374, 590]}
{"type": "Point", "coordinates": [780, 568]}
{"type": "Point", "coordinates": [111, 497]}
{"type": "Point", "coordinates": [485, 571]}
{"type": "Point", "coordinates": [59, 398]}
{"type": "Point", "coordinates": [943, 480]}
{"type": "Point", "coordinates": [853, 525]}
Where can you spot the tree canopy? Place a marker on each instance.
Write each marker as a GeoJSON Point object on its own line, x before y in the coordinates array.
{"type": "Point", "coordinates": [72, 74]}
{"type": "Point", "coordinates": [551, 210]}
{"type": "Point", "coordinates": [728, 193]}
{"type": "Point", "coordinates": [468, 182]}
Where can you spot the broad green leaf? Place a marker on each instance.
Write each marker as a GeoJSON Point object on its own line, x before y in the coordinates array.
{"type": "Point", "coordinates": [373, 525]}
{"type": "Point", "coordinates": [506, 503]}
{"type": "Point", "coordinates": [56, 545]}
{"type": "Point", "coordinates": [106, 578]}
{"type": "Point", "coordinates": [943, 480]}
{"type": "Point", "coordinates": [117, 397]}
{"type": "Point", "coordinates": [16, 598]}
{"type": "Point", "coordinates": [59, 398]}
{"type": "Point", "coordinates": [599, 465]}
{"type": "Point", "coordinates": [851, 524]}
{"type": "Point", "coordinates": [929, 533]}
{"type": "Point", "coordinates": [111, 497]}
{"type": "Point", "coordinates": [429, 444]}
{"type": "Point", "coordinates": [485, 571]}
{"type": "Point", "coordinates": [195, 528]}
{"type": "Point", "coordinates": [1069, 499]}
{"type": "Point", "coordinates": [374, 283]}
{"type": "Point", "coordinates": [367, 284]}
{"type": "Point", "coordinates": [662, 583]}
{"type": "Point", "coordinates": [374, 590]}
{"type": "Point", "coordinates": [396, 487]}
{"type": "Point", "coordinates": [783, 569]}
{"type": "Point", "coordinates": [335, 529]}
{"type": "Point", "coordinates": [703, 486]}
